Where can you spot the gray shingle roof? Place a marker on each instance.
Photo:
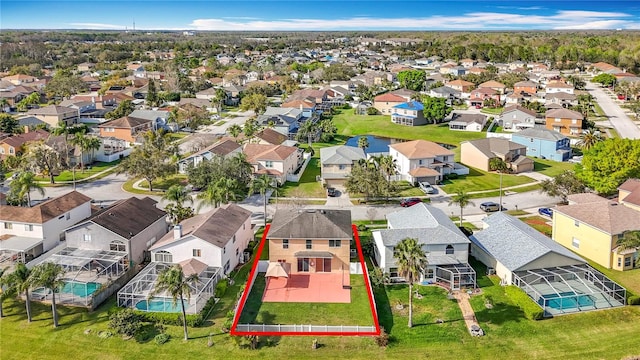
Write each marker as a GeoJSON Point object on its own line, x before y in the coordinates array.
{"type": "Point", "coordinates": [311, 224]}
{"type": "Point", "coordinates": [515, 244]}
{"type": "Point", "coordinates": [341, 155]}
{"type": "Point", "coordinates": [540, 133]}
{"type": "Point", "coordinates": [421, 216]}
{"type": "Point", "coordinates": [128, 217]}
{"type": "Point", "coordinates": [492, 146]}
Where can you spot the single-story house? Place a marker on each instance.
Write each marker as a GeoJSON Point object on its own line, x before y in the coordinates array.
{"type": "Point", "coordinates": [467, 122]}
{"type": "Point", "coordinates": [478, 153]}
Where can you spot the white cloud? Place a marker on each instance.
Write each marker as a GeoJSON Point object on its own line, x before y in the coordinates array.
{"type": "Point", "coordinates": [470, 21]}
{"type": "Point", "coordinates": [97, 26]}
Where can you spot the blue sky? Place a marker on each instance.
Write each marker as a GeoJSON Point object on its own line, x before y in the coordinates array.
{"type": "Point", "coordinates": [238, 15]}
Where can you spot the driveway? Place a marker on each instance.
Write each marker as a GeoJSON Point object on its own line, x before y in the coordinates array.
{"type": "Point", "coordinates": [236, 117]}
{"type": "Point", "coordinates": [625, 127]}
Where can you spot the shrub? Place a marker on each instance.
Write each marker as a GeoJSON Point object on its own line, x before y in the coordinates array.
{"type": "Point", "coordinates": [531, 310]}
{"type": "Point", "coordinates": [362, 227]}
{"type": "Point", "coordinates": [161, 339]}
{"type": "Point", "coordinates": [452, 176]}
{"type": "Point", "coordinates": [372, 111]}
{"type": "Point", "coordinates": [633, 300]}
{"type": "Point", "coordinates": [221, 288]}
{"type": "Point", "coordinates": [171, 318]}
{"type": "Point", "coordinates": [383, 339]}
{"type": "Point", "coordinates": [126, 322]}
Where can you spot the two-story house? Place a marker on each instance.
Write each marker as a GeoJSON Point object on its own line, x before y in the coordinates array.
{"type": "Point", "coordinates": [629, 193]}
{"type": "Point", "coordinates": [311, 240]}
{"type": "Point", "coordinates": [27, 232]}
{"type": "Point", "coordinates": [494, 85]}
{"type": "Point", "coordinates": [224, 148]}
{"type": "Point", "coordinates": [525, 87]}
{"type": "Point", "coordinates": [478, 153]}
{"type": "Point", "coordinates": [384, 103]}
{"type": "Point", "coordinates": [591, 226]}
{"type": "Point", "coordinates": [409, 113]}
{"type": "Point", "coordinates": [516, 118]}
{"type": "Point", "coordinates": [131, 225]}
{"type": "Point", "coordinates": [283, 120]}
{"type": "Point", "coordinates": [447, 248]}
{"type": "Point", "coordinates": [543, 143]}
{"type": "Point", "coordinates": [14, 145]}
{"type": "Point", "coordinates": [421, 160]}
{"type": "Point", "coordinates": [564, 121]}
{"type": "Point", "coordinates": [277, 161]}
{"type": "Point", "coordinates": [55, 114]}
{"type": "Point", "coordinates": [558, 86]}
{"type": "Point", "coordinates": [463, 86]}
{"type": "Point", "coordinates": [478, 96]}
{"type": "Point", "coordinates": [307, 106]}
{"type": "Point", "coordinates": [336, 163]}
{"type": "Point", "coordinates": [126, 128]}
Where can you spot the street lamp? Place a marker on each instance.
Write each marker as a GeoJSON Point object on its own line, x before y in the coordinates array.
{"type": "Point", "coordinates": [500, 203]}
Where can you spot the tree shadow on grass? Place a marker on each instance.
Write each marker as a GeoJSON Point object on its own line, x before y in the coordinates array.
{"type": "Point", "coordinates": [385, 316]}
{"type": "Point", "coordinates": [500, 314]}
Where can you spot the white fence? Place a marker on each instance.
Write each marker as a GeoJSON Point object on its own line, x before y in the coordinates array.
{"type": "Point", "coordinates": [460, 169]}
{"type": "Point", "coordinates": [296, 177]}
{"type": "Point", "coordinates": [113, 157]}
{"type": "Point", "coordinates": [499, 135]}
{"type": "Point", "coordinates": [345, 329]}
{"type": "Point", "coordinates": [355, 268]}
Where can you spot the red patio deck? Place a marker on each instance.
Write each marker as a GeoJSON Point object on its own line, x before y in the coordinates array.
{"type": "Point", "coordinates": [309, 288]}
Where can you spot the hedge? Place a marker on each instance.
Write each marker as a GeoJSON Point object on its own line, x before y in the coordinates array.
{"type": "Point", "coordinates": [633, 300]}
{"type": "Point", "coordinates": [531, 310]}
{"type": "Point", "coordinates": [193, 320]}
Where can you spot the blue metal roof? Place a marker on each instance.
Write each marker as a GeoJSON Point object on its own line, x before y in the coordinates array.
{"type": "Point", "coordinates": [411, 105]}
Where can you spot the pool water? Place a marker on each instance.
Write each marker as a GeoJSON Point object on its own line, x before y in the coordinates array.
{"type": "Point", "coordinates": [566, 300]}
{"type": "Point", "coordinates": [159, 305]}
{"type": "Point", "coordinates": [79, 288]}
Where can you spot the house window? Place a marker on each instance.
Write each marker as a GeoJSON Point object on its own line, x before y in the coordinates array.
{"type": "Point", "coordinates": [420, 162]}
{"type": "Point", "coordinates": [557, 119]}
{"type": "Point", "coordinates": [335, 243]}
{"type": "Point", "coordinates": [8, 225]}
{"type": "Point", "coordinates": [531, 140]}
{"type": "Point", "coordinates": [449, 250]}
{"type": "Point", "coordinates": [163, 256]}
{"type": "Point", "coordinates": [627, 261]}
{"type": "Point", "coordinates": [233, 240]}
{"type": "Point", "coordinates": [619, 262]}
{"type": "Point", "coordinates": [393, 272]}
{"type": "Point", "coordinates": [227, 265]}
{"type": "Point", "coordinates": [117, 246]}
{"type": "Point", "coordinates": [197, 252]}
{"type": "Point", "coordinates": [86, 237]}
{"type": "Point", "coordinates": [237, 252]}
{"type": "Point", "coordinates": [303, 265]}
{"type": "Point", "coordinates": [1, 150]}
{"type": "Point", "coordinates": [224, 250]}
{"type": "Point", "coordinates": [28, 227]}
{"type": "Point", "coordinates": [285, 243]}
{"type": "Point", "coordinates": [11, 151]}
{"type": "Point", "coordinates": [268, 164]}
{"type": "Point", "coordinates": [67, 216]}
{"type": "Point", "coordinates": [575, 243]}
{"type": "Point", "coordinates": [576, 223]}
{"type": "Point", "coordinates": [309, 245]}
{"type": "Point", "coordinates": [342, 167]}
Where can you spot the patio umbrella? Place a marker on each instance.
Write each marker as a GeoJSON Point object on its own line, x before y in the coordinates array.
{"type": "Point", "coordinates": [275, 269]}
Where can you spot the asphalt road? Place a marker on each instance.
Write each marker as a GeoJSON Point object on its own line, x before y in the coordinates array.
{"type": "Point", "coordinates": [620, 121]}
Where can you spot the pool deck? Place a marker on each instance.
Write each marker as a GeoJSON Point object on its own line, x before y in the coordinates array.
{"type": "Point", "coordinates": [309, 288]}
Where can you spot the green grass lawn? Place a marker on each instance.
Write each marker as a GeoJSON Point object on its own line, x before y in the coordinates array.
{"type": "Point", "coordinates": [158, 185]}
{"type": "Point", "coordinates": [630, 279]}
{"type": "Point", "coordinates": [539, 223]}
{"type": "Point", "coordinates": [67, 175]}
{"type": "Point", "coordinates": [479, 180]}
{"type": "Point", "coordinates": [550, 167]}
{"type": "Point", "coordinates": [358, 312]}
{"type": "Point", "coordinates": [492, 111]}
{"type": "Point", "coordinates": [349, 124]}
{"type": "Point", "coordinates": [307, 186]}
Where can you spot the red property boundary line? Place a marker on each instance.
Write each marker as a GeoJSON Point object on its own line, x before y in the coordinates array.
{"type": "Point", "coordinates": [247, 290]}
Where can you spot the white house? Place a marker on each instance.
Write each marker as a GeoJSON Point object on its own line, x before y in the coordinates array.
{"type": "Point", "coordinates": [27, 232]}
{"type": "Point", "coordinates": [421, 160]}
{"type": "Point", "coordinates": [225, 148]}
{"type": "Point", "coordinates": [217, 238]}
{"type": "Point", "coordinates": [447, 248]}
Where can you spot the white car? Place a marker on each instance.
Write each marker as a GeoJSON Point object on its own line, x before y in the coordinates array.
{"type": "Point", "coordinates": [426, 187]}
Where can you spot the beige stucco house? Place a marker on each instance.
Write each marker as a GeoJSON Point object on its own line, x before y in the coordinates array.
{"type": "Point", "coordinates": [336, 163]}
{"type": "Point", "coordinates": [478, 153]}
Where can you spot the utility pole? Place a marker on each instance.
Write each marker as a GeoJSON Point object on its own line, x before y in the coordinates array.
{"type": "Point", "coordinates": [500, 203]}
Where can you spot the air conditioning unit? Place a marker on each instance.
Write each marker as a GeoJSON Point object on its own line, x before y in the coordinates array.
{"type": "Point", "coordinates": [491, 271]}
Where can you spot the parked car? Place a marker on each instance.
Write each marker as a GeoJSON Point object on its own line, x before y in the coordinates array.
{"type": "Point", "coordinates": [332, 192]}
{"type": "Point", "coordinates": [546, 212]}
{"type": "Point", "coordinates": [490, 206]}
{"type": "Point", "coordinates": [409, 202]}
{"type": "Point", "coordinates": [426, 187]}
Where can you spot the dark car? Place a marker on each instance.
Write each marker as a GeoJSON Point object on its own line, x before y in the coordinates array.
{"type": "Point", "coordinates": [546, 212]}
{"type": "Point", "coordinates": [409, 202]}
{"type": "Point", "coordinates": [490, 206]}
{"type": "Point", "coordinates": [332, 192]}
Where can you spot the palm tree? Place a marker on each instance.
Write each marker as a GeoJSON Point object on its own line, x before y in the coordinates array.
{"type": "Point", "coordinates": [228, 189]}
{"type": "Point", "coordinates": [92, 144]}
{"type": "Point", "coordinates": [173, 282]}
{"type": "Point", "coordinates": [235, 131]}
{"type": "Point", "coordinates": [363, 143]}
{"type": "Point", "coordinates": [63, 129]}
{"type": "Point", "coordinates": [461, 199]}
{"type": "Point", "coordinates": [307, 130]}
{"type": "Point", "coordinates": [49, 275]}
{"type": "Point", "coordinates": [588, 139]}
{"type": "Point", "coordinates": [212, 195]}
{"type": "Point", "coordinates": [262, 184]}
{"type": "Point", "coordinates": [5, 290]}
{"type": "Point", "coordinates": [218, 100]}
{"type": "Point", "coordinates": [23, 185]}
{"type": "Point", "coordinates": [20, 281]}
{"type": "Point", "coordinates": [411, 260]}
{"type": "Point", "coordinates": [177, 194]}
{"type": "Point", "coordinates": [629, 240]}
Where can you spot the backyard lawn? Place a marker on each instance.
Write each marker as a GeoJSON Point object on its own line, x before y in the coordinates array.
{"type": "Point", "coordinates": [358, 312]}
{"type": "Point", "coordinates": [308, 186]}
{"type": "Point", "coordinates": [539, 223]}
{"type": "Point", "coordinates": [67, 175]}
{"type": "Point", "coordinates": [550, 167]}
{"type": "Point", "coordinates": [479, 180]}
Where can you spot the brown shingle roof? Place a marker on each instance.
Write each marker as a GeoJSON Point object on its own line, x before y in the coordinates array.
{"type": "Point", "coordinates": [630, 185]}
{"type": "Point", "coordinates": [493, 146]}
{"type": "Point", "coordinates": [17, 141]}
{"type": "Point", "coordinates": [192, 266]}
{"type": "Point", "coordinates": [311, 224]}
{"type": "Point", "coordinates": [420, 149]}
{"type": "Point", "coordinates": [297, 104]}
{"type": "Point", "coordinates": [563, 114]}
{"type": "Point", "coordinates": [216, 227]}
{"type": "Point", "coordinates": [126, 122]}
{"type": "Point", "coordinates": [256, 152]}
{"type": "Point", "coordinates": [271, 136]}
{"type": "Point", "coordinates": [128, 217]}
{"type": "Point", "coordinates": [52, 110]}
{"type": "Point", "coordinates": [519, 108]}
{"type": "Point", "coordinates": [44, 211]}
{"type": "Point", "coordinates": [607, 216]}
{"type": "Point", "coordinates": [388, 97]}
{"type": "Point", "coordinates": [491, 84]}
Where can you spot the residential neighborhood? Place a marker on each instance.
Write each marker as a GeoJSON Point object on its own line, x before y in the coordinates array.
{"type": "Point", "coordinates": [319, 192]}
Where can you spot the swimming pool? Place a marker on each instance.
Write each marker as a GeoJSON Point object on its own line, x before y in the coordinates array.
{"type": "Point", "coordinates": [565, 300]}
{"type": "Point", "coordinates": [159, 305]}
{"type": "Point", "coordinates": [79, 288]}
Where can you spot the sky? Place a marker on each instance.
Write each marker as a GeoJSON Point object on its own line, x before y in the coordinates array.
{"type": "Point", "coordinates": [320, 15]}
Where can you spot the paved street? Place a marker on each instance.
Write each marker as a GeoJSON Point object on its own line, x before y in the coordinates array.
{"type": "Point", "coordinates": [620, 121]}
